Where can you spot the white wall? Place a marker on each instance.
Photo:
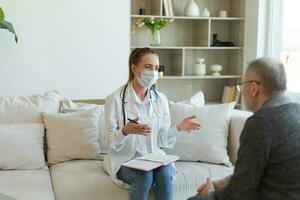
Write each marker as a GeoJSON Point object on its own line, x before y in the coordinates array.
{"type": "Point", "coordinates": [79, 47]}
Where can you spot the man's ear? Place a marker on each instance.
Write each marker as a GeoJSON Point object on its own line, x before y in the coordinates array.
{"type": "Point", "coordinates": [255, 89]}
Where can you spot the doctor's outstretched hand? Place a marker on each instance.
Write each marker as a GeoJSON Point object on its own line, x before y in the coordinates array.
{"type": "Point", "coordinates": [135, 128]}
{"type": "Point", "coordinates": [188, 125]}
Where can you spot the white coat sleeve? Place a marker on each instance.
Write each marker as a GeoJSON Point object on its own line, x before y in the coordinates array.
{"type": "Point", "coordinates": [167, 136]}
{"type": "Point", "coordinates": [113, 135]}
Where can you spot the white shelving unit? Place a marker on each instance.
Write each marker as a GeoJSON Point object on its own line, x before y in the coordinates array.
{"type": "Point", "coordinates": [188, 38]}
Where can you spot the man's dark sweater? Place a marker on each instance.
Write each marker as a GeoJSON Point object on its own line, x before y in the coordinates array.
{"type": "Point", "coordinates": [268, 165]}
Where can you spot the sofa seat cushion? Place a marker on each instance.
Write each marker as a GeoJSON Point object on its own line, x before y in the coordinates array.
{"type": "Point", "coordinates": [85, 179]}
{"type": "Point", "coordinates": [26, 184]}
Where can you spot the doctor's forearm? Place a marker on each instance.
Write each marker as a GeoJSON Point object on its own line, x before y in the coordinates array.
{"type": "Point", "coordinates": [115, 139]}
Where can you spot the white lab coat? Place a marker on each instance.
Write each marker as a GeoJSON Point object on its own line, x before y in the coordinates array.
{"type": "Point", "coordinates": [123, 148]}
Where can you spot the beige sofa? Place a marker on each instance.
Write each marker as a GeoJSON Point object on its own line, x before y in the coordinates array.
{"type": "Point", "coordinates": [85, 179]}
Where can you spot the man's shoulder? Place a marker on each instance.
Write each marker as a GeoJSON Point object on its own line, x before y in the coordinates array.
{"type": "Point", "coordinates": [281, 110]}
{"type": "Point", "coordinates": [280, 114]}
{"type": "Point", "coordinates": [270, 122]}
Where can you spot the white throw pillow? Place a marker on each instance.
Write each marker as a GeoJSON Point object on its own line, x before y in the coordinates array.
{"type": "Point", "coordinates": [209, 144]}
{"type": "Point", "coordinates": [21, 146]}
{"type": "Point", "coordinates": [28, 109]}
{"type": "Point", "coordinates": [196, 100]}
{"type": "Point", "coordinates": [68, 106]}
{"type": "Point", "coordinates": [72, 135]}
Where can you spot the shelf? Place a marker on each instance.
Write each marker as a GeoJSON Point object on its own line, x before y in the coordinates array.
{"type": "Point", "coordinates": [219, 48]}
{"type": "Point", "coordinates": [190, 48]}
{"type": "Point", "coordinates": [172, 60]}
{"type": "Point", "coordinates": [180, 33]}
{"type": "Point", "coordinates": [232, 31]}
{"type": "Point", "coordinates": [187, 39]}
{"type": "Point", "coordinates": [227, 18]}
{"type": "Point", "coordinates": [201, 77]}
{"type": "Point", "coordinates": [189, 18]}
{"type": "Point", "coordinates": [157, 47]}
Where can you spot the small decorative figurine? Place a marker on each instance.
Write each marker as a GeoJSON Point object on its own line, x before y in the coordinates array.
{"type": "Point", "coordinates": [218, 43]}
{"type": "Point", "coordinates": [216, 68]}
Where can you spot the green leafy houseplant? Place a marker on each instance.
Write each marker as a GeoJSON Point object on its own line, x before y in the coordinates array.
{"type": "Point", "coordinates": [7, 25]}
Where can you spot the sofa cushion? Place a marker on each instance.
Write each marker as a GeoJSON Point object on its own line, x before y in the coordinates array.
{"type": "Point", "coordinates": [21, 146]}
{"type": "Point", "coordinates": [26, 184]}
{"type": "Point", "coordinates": [28, 109]}
{"type": "Point", "coordinates": [85, 179]}
{"type": "Point", "coordinates": [196, 100]}
{"type": "Point", "coordinates": [209, 144]}
{"type": "Point", "coordinates": [68, 106]}
{"type": "Point", "coordinates": [72, 135]}
{"type": "Point", "coordinates": [237, 122]}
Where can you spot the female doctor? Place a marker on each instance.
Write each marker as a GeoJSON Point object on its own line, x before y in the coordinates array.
{"type": "Point", "coordinates": [137, 122]}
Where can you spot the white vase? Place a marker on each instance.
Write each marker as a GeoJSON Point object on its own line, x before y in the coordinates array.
{"type": "Point", "coordinates": [205, 13]}
{"type": "Point", "coordinates": [192, 9]}
{"type": "Point", "coordinates": [155, 38]}
{"type": "Point", "coordinates": [200, 67]}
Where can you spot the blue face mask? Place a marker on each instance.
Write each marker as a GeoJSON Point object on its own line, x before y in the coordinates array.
{"type": "Point", "coordinates": [148, 78]}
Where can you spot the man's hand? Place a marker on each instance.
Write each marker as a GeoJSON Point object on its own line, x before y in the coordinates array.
{"type": "Point", "coordinates": [221, 183]}
{"type": "Point", "coordinates": [204, 189]}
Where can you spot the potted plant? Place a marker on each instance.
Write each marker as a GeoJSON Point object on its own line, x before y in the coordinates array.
{"type": "Point", "coordinates": [154, 25]}
{"type": "Point", "coordinates": [7, 25]}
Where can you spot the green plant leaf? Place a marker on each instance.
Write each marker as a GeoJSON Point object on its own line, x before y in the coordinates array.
{"type": "Point", "coordinates": [155, 24]}
{"type": "Point", "coordinates": [1, 14]}
{"type": "Point", "coordinates": [9, 27]}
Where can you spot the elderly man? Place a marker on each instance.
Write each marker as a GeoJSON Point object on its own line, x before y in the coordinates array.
{"type": "Point", "coordinates": [268, 164]}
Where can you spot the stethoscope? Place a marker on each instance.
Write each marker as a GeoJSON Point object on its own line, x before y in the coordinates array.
{"type": "Point", "coordinates": [123, 93]}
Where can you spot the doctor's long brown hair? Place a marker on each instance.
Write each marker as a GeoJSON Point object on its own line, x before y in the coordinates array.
{"type": "Point", "coordinates": [135, 58]}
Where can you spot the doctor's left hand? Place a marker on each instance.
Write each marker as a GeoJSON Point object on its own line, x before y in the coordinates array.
{"type": "Point", "coordinates": [136, 128]}
{"type": "Point", "coordinates": [188, 125]}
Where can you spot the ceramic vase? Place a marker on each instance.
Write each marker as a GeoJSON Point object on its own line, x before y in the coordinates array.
{"type": "Point", "coordinates": [192, 9]}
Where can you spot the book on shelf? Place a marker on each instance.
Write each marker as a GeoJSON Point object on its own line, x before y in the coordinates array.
{"type": "Point", "coordinates": [150, 161]}
{"type": "Point", "coordinates": [168, 8]}
{"type": "Point", "coordinates": [230, 94]}
{"type": "Point", "coordinates": [171, 8]}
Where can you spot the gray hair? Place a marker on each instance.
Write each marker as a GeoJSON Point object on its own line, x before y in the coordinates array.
{"type": "Point", "coordinates": [271, 74]}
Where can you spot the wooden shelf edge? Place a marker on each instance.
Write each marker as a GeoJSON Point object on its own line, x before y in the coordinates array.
{"type": "Point", "coordinates": [201, 77]}
{"type": "Point", "coordinates": [190, 48]}
{"type": "Point", "coordinates": [189, 18]}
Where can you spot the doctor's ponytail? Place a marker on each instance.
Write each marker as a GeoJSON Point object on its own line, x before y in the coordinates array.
{"type": "Point", "coordinates": [135, 58]}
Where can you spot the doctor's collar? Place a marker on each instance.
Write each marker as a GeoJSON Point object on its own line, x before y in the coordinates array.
{"type": "Point", "coordinates": [137, 99]}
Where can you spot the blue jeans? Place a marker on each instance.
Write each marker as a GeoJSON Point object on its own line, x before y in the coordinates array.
{"type": "Point", "coordinates": [141, 182]}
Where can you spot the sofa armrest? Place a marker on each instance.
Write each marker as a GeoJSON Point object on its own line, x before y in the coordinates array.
{"type": "Point", "coordinates": [237, 122]}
